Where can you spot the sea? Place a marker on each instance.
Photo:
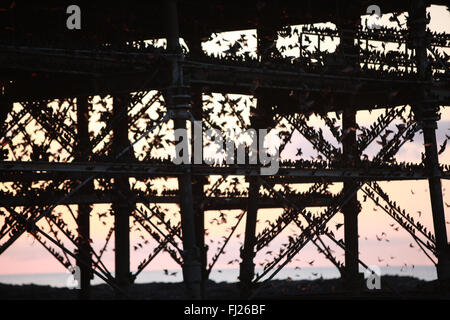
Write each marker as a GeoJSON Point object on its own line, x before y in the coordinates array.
{"type": "Point", "coordinates": [60, 280]}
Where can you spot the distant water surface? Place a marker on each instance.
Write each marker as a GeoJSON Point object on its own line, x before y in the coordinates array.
{"type": "Point", "coordinates": [427, 273]}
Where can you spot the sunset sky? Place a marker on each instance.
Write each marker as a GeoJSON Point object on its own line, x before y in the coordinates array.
{"type": "Point", "coordinates": [27, 256]}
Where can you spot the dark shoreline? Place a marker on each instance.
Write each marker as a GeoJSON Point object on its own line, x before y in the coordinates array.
{"type": "Point", "coordinates": [391, 287]}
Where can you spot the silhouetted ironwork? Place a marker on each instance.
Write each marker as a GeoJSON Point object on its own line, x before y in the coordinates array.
{"type": "Point", "coordinates": [55, 83]}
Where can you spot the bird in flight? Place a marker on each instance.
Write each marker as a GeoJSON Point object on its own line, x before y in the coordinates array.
{"type": "Point", "coordinates": [442, 147]}
{"type": "Point", "coordinates": [394, 18]}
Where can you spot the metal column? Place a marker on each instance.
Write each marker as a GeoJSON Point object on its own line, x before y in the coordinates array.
{"type": "Point", "coordinates": [350, 54]}
{"type": "Point", "coordinates": [121, 208]}
{"type": "Point", "coordinates": [247, 266]}
{"type": "Point", "coordinates": [266, 36]}
{"type": "Point", "coordinates": [198, 182]}
{"type": "Point", "coordinates": [427, 112]}
{"type": "Point", "coordinates": [84, 210]}
{"type": "Point", "coordinates": [180, 107]}
{"type": "Point", "coordinates": [352, 208]}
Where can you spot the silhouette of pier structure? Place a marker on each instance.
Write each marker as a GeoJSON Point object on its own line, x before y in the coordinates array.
{"type": "Point", "coordinates": [54, 75]}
